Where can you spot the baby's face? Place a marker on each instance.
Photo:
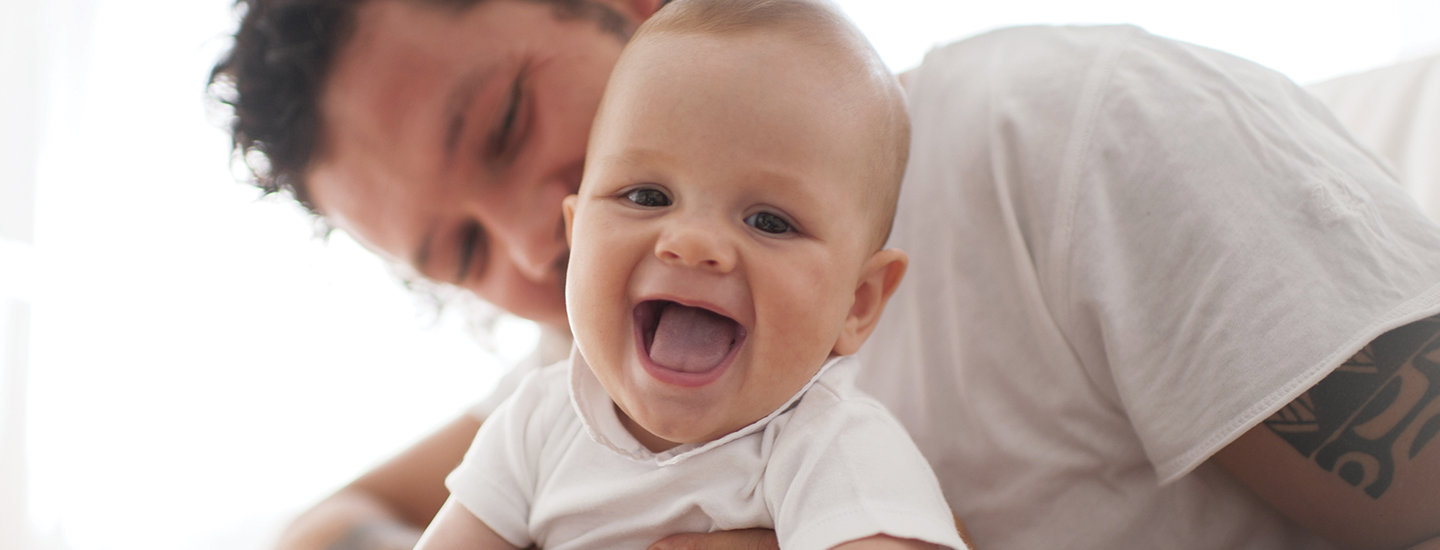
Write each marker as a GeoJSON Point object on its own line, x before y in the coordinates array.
{"type": "Point", "coordinates": [718, 236]}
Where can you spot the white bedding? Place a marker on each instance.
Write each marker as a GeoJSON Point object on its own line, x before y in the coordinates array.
{"type": "Point", "coordinates": [1395, 111]}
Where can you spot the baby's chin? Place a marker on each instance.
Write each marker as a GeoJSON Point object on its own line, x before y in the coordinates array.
{"type": "Point", "coordinates": [680, 429]}
{"type": "Point", "coordinates": [661, 436]}
{"type": "Point", "coordinates": [674, 435]}
{"type": "Point", "coordinates": [658, 427]}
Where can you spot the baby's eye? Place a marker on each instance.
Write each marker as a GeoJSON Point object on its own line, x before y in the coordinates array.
{"type": "Point", "coordinates": [769, 223]}
{"type": "Point", "coordinates": [647, 197]}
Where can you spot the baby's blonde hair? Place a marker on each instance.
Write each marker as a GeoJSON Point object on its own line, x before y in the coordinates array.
{"type": "Point", "coordinates": [821, 25]}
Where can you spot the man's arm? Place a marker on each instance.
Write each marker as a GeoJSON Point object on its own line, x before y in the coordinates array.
{"type": "Point", "coordinates": [1356, 459]}
{"type": "Point", "coordinates": [386, 508]}
{"type": "Point", "coordinates": [455, 528]}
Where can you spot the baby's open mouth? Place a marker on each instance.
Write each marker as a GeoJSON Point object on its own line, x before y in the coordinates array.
{"type": "Point", "coordinates": [686, 339]}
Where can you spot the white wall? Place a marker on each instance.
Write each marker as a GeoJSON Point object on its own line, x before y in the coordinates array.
{"type": "Point", "coordinates": [199, 363]}
{"type": "Point", "coordinates": [19, 103]}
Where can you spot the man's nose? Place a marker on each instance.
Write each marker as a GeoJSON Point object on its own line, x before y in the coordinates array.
{"type": "Point", "coordinates": [538, 250]}
{"type": "Point", "coordinates": [697, 244]}
{"type": "Point", "coordinates": [530, 232]}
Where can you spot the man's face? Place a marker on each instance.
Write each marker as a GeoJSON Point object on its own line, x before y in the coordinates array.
{"type": "Point", "coordinates": [450, 138]}
{"type": "Point", "coordinates": [719, 235]}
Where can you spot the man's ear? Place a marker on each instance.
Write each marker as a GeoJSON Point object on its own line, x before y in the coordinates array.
{"type": "Point", "coordinates": [567, 209]}
{"type": "Point", "coordinates": [879, 279]}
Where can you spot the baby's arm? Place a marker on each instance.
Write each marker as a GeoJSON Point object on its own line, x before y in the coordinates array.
{"type": "Point", "coordinates": [455, 528]}
{"type": "Point", "coordinates": [764, 539]}
{"type": "Point", "coordinates": [844, 474]}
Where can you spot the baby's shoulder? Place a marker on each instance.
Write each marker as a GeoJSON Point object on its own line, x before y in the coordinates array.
{"type": "Point", "coordinates": [543, 384]}
{"type": "Point", "coordinates": [541, 402]}
{"type": "Point", "coordinates": [834, 409]}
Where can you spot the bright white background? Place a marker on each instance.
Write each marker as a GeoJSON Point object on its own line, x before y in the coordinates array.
{"type": "Point", "coordinates": [199, 366]}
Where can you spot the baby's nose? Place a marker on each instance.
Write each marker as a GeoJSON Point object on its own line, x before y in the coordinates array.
{"type": "Point", "coordinates": [696, 245]}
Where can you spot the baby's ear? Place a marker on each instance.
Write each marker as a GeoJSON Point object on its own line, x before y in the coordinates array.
{"type": "Point", "coordinates": [567, 209]}
{"type": "Point", "coordinates": [879, 279]}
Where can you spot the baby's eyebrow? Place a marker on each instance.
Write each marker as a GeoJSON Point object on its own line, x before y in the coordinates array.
{"type": "Point", "coordinates": [776, 178]}
{"type": "Point", "coordinates": [637, 157]}
{"type": "Point", "coordinates": [643, 157]}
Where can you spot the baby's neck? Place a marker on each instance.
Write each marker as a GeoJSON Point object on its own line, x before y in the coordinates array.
{"type": "Point", "coordinates": [654, 443]}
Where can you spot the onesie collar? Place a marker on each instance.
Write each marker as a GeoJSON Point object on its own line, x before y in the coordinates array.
{"type": "Point", "coordinates": [602, 422]}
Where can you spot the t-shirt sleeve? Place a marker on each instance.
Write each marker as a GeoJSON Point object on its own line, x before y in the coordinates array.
{"type": "Point", "coordinates": [1221, 244]}
{"type": "Point", "coordinates": [846, 470]}
{"type": "Point", "coordinates": [496, 481]}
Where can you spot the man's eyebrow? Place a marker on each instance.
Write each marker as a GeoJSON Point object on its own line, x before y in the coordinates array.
{"type": "Point", "coordinates": [456, 103]}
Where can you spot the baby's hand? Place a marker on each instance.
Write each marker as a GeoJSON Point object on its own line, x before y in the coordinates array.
{"type": "Point", "coordinates": [745, 539]}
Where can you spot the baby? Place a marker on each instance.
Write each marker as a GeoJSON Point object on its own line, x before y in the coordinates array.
{"type": "Point", "coordinates": [726, 256]}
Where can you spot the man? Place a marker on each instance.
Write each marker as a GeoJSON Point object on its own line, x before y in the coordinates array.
{"type": "Point", "coordinates": [1128, 256]}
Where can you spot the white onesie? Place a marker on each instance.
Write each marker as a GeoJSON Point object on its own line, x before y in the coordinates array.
{"type": "Point", "coordinates": [555, 468]}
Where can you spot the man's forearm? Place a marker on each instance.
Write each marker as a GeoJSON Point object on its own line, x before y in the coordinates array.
{"type": "Point", "coordinates": [378, 535]}
{"type": "Point", "coordinates": [389, 506]}
{"type": "Point", "coordinates": [349, 520]}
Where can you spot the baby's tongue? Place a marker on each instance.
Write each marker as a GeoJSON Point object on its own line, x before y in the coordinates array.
{"type": "Point", "coordinates": [691, 339]}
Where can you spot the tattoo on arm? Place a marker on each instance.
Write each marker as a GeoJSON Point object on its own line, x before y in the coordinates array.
{"type": "Point", "coordinates": [1375, 410]}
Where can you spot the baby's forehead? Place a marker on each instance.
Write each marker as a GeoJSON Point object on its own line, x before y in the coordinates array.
{"type": "Point", "coordinates": [770, 85]}
{"type": "Point", "coordinates": [821, 73]}
{"type": "Point", "coordinates": [825, 54]}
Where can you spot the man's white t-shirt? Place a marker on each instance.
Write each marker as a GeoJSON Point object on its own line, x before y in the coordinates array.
{"type": "Point", "coordinates": [553, 467]}
{"type": "Point", "coordinates": [1125, 252]}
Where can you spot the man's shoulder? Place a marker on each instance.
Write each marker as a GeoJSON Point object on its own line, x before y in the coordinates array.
{"type": "Point", "coordinates": [1039, 50]}
{"type": "Point", "coordinates": [1046, 36]}
{"type": "Point", "coordinates": [1050, 61]}
{"type": "Point", "coordinates": [1034, 79]}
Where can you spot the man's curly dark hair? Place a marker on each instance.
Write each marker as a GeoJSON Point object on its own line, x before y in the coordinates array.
{"type": "Point", "coordinates": [272, 79]}
{"type": "Point", "coordinates": [273, 76]}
